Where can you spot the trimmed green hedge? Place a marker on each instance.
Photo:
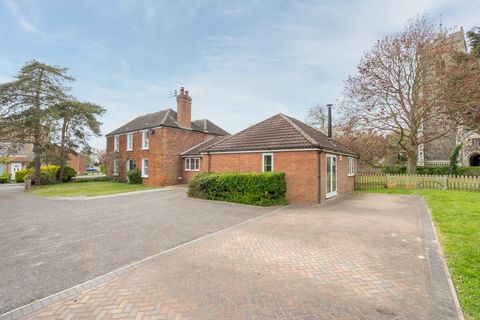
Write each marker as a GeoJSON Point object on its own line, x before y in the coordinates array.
{"type": "Point", "coordinates": [263, 189]}
{"type": "Point", "coordinates": [86, 179]}
{"type": "Point", "coordinates": [468, 171]}
{"type": "Point", "coordinates": [394, 168]}
{"type": "Point", "coordinates": [439, 170]}
{"type": "Point", "coordinates": [434, 170]}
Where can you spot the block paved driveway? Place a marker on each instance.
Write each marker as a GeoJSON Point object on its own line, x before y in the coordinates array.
{"type": "Point", "coordinates": [364, 256]}
{"type": "Point", "coordinates": [50, 245]}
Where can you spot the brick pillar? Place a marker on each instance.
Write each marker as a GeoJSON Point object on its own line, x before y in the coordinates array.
{"type": "Point", "coordinates": [184, 109]}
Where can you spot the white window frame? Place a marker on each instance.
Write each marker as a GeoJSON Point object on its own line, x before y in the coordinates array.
{"type": "Point", "coordinates": [192, 164]}
{"type": "Point", "coordinates": [145, 140]}
{"type": "Point", "coordinates": [130, 141]}
{"type": "Point", "coordinates": [263, 161]}
{"type": "Point", "coordinates": [116, 143]}
{"type": "Point", "coordinates": [116, 167]}
{"type": "Point", "coordinates": [147, 167]}
{"type": "Point", "coordinates": [351, 166]}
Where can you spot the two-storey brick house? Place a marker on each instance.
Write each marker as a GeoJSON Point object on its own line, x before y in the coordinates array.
{"type": "Point", "coordinates": [153, 143]}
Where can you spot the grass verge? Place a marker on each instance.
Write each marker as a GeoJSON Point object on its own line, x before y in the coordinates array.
{"type": "Point", "coordinates": [87, 189]}
{"type": "Point", "coordinates": [456, 215]}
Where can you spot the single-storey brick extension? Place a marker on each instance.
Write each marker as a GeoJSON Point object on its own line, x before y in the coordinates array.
{"type": "Point", "coordinates": [169, 148]}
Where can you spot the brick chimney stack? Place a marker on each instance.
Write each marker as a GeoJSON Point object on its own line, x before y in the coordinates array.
{"type": "Point", "coordinates": [184, 109]}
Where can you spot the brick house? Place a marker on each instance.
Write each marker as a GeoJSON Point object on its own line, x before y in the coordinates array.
{"type": "Point", "coordinates": [18, 159]}
{"type": "Point", "coordinates": [78, 161]}
{"type": "Point", "coordinates": [169, 148]}
{"type": "Point", "coordinates": [154, 142]}
{"type": "Point", "coordinates": [316, 167]}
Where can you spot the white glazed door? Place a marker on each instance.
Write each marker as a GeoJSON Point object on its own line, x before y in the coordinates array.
{"type": "Point", "coordinates": [331, 175]}
{"type": "Point", "coordinates": [14, 167]}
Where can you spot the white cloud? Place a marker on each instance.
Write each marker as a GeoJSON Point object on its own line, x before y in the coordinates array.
{"type": "Point", "coordinates": [19, 15]}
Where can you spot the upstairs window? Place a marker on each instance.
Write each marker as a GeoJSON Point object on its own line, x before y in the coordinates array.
{"type": "Point", "coordinates": [116, 143]}
{"type": "Point", "coordinates": [192, 164]}
{"type": "Point", "coordinates": [267, 162]}
{"type": "Point", "coordinates": [129, 141]}
{"type": "Point", "coordinates": [145, 140]}
{"type": "Point", "coordinates": [351, 166]}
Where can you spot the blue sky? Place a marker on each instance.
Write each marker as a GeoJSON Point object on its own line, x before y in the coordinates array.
{"type": "Point", "coordinates": [241, 60]}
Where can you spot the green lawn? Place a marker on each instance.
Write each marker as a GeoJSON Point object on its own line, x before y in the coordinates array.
{"type": "Point", "coordinates": [457, 219]}
{"type": "Point", "coordinates": [88, 189]}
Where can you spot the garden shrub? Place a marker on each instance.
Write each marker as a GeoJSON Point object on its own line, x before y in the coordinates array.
{"type": "Point", "coordinates": [103, 168]}
{"type": "Point", "coordinates": [436, 170]}
{"type": "Point", "coordinates": [4, 178]}
{"type": "Point", "coordinates": [468, 171]}
{"type": "Point", "coordinates": [262, 189]}
{"type": "Point", "coordinates": [48, 174]}
{"type": "Point", "coordinates": [394, 168]}
{"type": "Point", "coordinates": [92, 179]}
{"type": "Point", "coordinates": [20, 175]}
{"type": "Point", "coordinates": [68, 174]}
{"type": "Point", "coordinates": [134, 176]}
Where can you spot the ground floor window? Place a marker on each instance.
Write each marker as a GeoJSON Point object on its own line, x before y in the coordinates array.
{"type": "Point", "coordinates": [116, 167]}
{"type": "Point", "coordinates": [351, 166]}
{"type": "Point", "coordinates": [267, 162]}
{"type": "Point", "coordinates": [192, 164]}
{"type": "Point", "coordinates": [145, 168]}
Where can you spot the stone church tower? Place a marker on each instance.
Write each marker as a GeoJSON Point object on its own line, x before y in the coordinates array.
{"type": "Point", "coordinates": [437, 152]}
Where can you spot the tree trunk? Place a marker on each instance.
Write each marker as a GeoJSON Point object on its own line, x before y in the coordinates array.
{"type": "Point", "coordinates": [62, 151]}
{"type": "Point", "coordinates": [37, 134]}
{"type": "Point", "coordinates": [412, 165]}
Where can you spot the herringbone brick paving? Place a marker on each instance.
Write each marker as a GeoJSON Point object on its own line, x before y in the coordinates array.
{"type": "Point", "coordinates": [362, 257]}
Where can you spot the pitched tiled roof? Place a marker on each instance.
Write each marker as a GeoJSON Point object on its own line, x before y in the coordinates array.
{"type": "Point", "coordinates": [166, 118]}
{"type": "Point", "coordinates": [210, 127]}
{"type": "Point", "coordinates": [197, 149]}
{"type": "Point", "coordinates": [278, 132]}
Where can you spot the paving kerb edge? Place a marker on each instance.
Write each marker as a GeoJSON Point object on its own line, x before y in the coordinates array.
{"type": "Point", "coordinates": [444, 263]}
{"type": "Point", "coordinates": [89, 284]}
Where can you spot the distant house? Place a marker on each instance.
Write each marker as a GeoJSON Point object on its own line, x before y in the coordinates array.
{"type": "Point", "coordinates": [169, 148]}
{"type": "Point", "coordinates": [78, 161]}
{"type": "Point", "coordinates": [18, 158]}
{"type": "Point", "coordinates": [14, 159]}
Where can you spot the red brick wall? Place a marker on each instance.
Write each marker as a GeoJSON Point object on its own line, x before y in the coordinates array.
{"type": "Point", "coordinates": [78, 162]}
{"type": "Point", "coordinates": [300, 168]}
{"type": "Point", "coordinates": [344, 182]}
{"type": "Point", "coordinates": [165, 146]}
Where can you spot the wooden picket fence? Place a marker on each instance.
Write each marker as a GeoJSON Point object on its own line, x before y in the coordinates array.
{"type": "Point", "coordinates": [365, 181]}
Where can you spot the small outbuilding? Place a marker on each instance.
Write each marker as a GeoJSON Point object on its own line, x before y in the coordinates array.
{"type": "Point", "coordinates": [316, 166]}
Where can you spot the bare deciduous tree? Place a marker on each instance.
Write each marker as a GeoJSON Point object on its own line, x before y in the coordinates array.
{"type": "Point", "coordinates": [398, 86]}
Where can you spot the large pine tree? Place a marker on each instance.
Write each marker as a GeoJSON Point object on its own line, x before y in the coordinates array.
{"type": "Point", "coordinates": [25, 106]}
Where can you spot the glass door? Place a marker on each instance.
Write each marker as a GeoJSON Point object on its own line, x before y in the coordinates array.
{"type": "Point", "coordinates": [331, 175]}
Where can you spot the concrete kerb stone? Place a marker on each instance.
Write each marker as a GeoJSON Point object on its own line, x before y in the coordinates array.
{"type": "Point", "coordinates": [114, 195]}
